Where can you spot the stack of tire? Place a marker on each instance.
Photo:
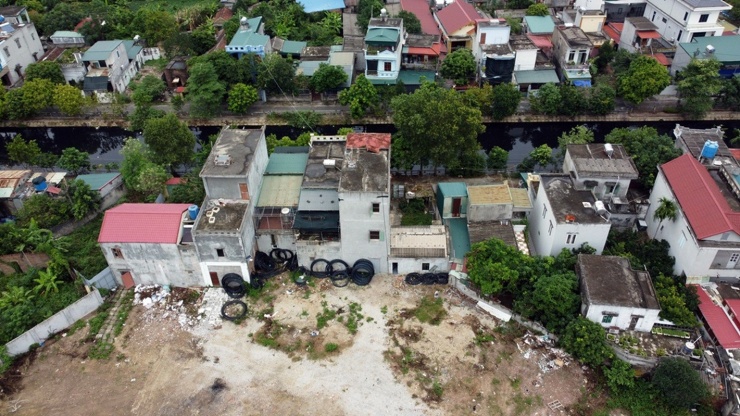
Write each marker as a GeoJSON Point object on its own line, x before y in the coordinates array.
{"type": "Point", "coordinates": [234, 309]}
{"type": "Point", "coordinates": [362, 272]}
{"type": "Point", "coordinates": [428, 278]}
{"type": "Point", "coordinates": [340, 273]}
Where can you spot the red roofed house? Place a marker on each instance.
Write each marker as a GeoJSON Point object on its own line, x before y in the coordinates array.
{"type": "Point", "coordinates": [720, 314]}
{"type": "Point", "coordinates": [705, 236]}
{"type": "Point", "coordinates": [151, 244]}
{"type": "Point", "coordinates": [457, 21]}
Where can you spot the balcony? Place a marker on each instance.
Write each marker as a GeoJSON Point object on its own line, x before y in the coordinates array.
{"type": "Point", "coordinates": [375, 50]}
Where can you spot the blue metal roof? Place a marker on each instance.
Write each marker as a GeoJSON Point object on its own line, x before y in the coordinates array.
{"type": "Point", "coordinates": [452, 189]}
{"type": "Point", "coordinates": [287, 164]}
{"type": "Point", "coordinates": [459, 236]}
{"type": "Point", "coordinates": [310, 6]}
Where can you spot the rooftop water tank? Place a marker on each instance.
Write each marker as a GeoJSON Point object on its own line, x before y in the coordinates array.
{"type": "Point", "coordinates": [600, 207]}
{"type": "Point", "coordinates": [609, 149]}
{"type": "Point", "coordinates": [39, 183]}
{"type": "Point", "coordinates": [688, 347]}
{"type": "Point", "coordinates": [193, 211]}
{"type": "Point", "coordinates": [709, 151]}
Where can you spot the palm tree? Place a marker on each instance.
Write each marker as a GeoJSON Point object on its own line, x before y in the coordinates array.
{"type": "Point", "coordinates": [666, 210]}
{"type": "Point", "coordinates": [48, 281]}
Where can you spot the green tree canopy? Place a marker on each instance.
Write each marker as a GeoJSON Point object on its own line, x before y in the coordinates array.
{"type": "Point", "coordinates": [480, 98]}
{"type": "Point", "coordinates": [151, 88]}
{"type": "Point", "coordinates": [601, 99]}
{"type": "Point", "coordinates": [205, 91]}
{"type": "Point", "coordinates": [647, 148]}
{"type": "Point", "coordinates": [678, 383]}
{"type": "Point", "coordinates": [619, 375]}
{"type": "Point", "coordinates": [367, 9]}
{"type": "Point", "coordinates": [241, 97]}
{"type": "Point", "coordinates": [21, 151]}
{"type": "Point", "coordinates": [410, 22]}
{"type": "Point", "coordinates": [170, 140]}
{"type": "Point", "coordinates": [83, 198]}
{"type": "Point", "coordinates": [537, 9]}
{"type": "Point", "coordinates": [328, 78]}
{"type": "Point", "coordinates": [644, 78]}
{"type": "Point", "coordinates": [69, 100]}
{"type": "Point", "coordinates": [459, 66]}
{"type": "Point", "coordinates": [151, 179]}
{"type": "Point", "coordinates": [577, 135]}
{"type": "Point", "coordinates": [498, 158]}
{"type": "Point", "coordinates": [74, 160]}
{"type": "Point", "coordinates": [46, 211]}
{"type": "Point", "coordinates": [135, 158]}
{"type": "Point", "coordinates": [557, 300]}
{"type": "Point", "coordinates": [729, 95]}
{"type": "Point", "coordinates": [276, 75]}
{"type": "Point", "coordinates": [48, 70]}
{"type": "Point", "coordinates": [506, 98]}
{"type": "Point", "coordinates": [698, 83]}
{"type": "Point", "coordinates": [361, 97]}
{"type": "Point", "coordinates": [572, 100]}
{"type": "Point", "coordinates": [494, 266]}
{"type": "Point", "coordinates": [32, 97]}
{"type": "Point", "coordinates": [431, 138]}
{"type": "Point", "coordinates": [203, 37]}
{"type": "Point", "coordinates": [672, 303]}
{"type": "Point", "coordinates": [547, 101]}
{"type": "Point", "coordinates": [154, 25]}
{"type": "Point", "coordinates": [586, 341]}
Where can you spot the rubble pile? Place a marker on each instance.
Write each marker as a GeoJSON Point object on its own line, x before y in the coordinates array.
{"type": "Point", "coordinates": [541, 348]}
{"type": "Point", "coordinates": [160, 306]}
{"type": "Point", "coordinates": [209, 312]}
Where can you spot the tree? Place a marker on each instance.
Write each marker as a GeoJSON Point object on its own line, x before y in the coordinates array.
{"type": "Point", "coordinates": [170, 140]}
{"type": "Point", "coordinates": [498, 158]}
{"type": "Point", "coordinates": [537, 9]}
{"type": "Point", "coordinates": [367, 9]}
{"type": "Point", "coordinates": [190, 191]}
{"type": "Point", "coordinates": [28, 100]}
{"type": "Point", "coordinates": [605, 55]}
{"type": "Point", "coordinates": [48, 70]}
{"type": "Point", "coordinates": [434, 139]}
{"type": "Point", "coordinates": [205, 91]}
{"type": "Point", "coordinates": [276, 74]}
{"type": "Point", "coordinates": [547, 101]}
{"type": "Point", "coordinates": [601, 99]}
{"type": "Point", "coordinates": [150, 89]}
{"type": "Point", "coordinates": [673, 305]}
{"type": "Point", "coordinates": [154, 25]}
{"type": "Point", "coordinates": [410, 22]}
{"type": "Point", "coordinates": [622, 60]}
{"type": "Point", "coordinates": [14, 296]}
{"type": "Point", "coordinates": [619, 375]}
{"type": "Point", "coordinates": [21, 151]}
{"type": "Point", "coordinates": [644, 78]}
{"type": "Point", "coordinates": [83, 198]}
{"type": "Point", "coordinates": [361, 96]}
{"type": "Point", "coordinates": [572, 100]}
{"type": "Point", "coordinates": [459, 66]}
{"type": "Point", "coordinates": [46, 211]}
{"type": "Point", "coordinates": [577, 135]}
{"type": "Point", "coordinates": [666, 210]}
{"type": "Point", "coordinates": [729, 95]}
{"type": "Point", "coordinates": [647, 148]}
{"type": "Point", "coordinates": [480, 98]}
{"type": "Point", "coordinates": [586, 341]}
{"type": "Point", "coordinates": [678, 383]}
{"type": "Point", "coordinates": [557, 300]}
{"type": "Point", "coordinates": [48, 281]}
{"type": "Point", "coordinates": [506, 98]}
{"type": "Point", "coordinates": [75, 161]}
{"type": "Point", "coordinates": [493, 266]}
{"type": "Point", "coordinates": [203, 37]}
{"type": "Point", "coordinates": [152, 179]}
{"type": "Point", "coordinates": [542, 155]}
{"type": "Point", "coordinates": [328, 78]}
{"type": "Point", "coordinates": [241, 97]}
{"type": "Point", "coordinates": [698, 83]}
{"type": "Point", "coordinates": [135, 158]}
{"type": "Point", "coordinates": [69, 100]}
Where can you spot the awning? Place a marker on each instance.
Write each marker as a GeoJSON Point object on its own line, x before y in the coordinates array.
{"type": "Point", "coordinates": [648, 34]}
{"type": "Point", "coordinates": [662, 59]}
{"type": "Point", "coordinates": [541, 41]}
{"type": "Point", "coordinates": [583, 83]}
{"type": "Point", "coordinates": [316, 220]}
{"type": "Point", "coordinates": [53, 190]}
{"type": "Point", "coordinates": [542, 76]}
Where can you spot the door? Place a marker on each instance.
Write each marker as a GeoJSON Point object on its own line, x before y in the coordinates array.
{"type": "Point", "coordinates": [214, 279]}
{"type": "Point", "coordinates": [128, 280]}
{"type": "Point", "coordinates": [633, 322]}
{"type": "Point", "coordinates": [456, 203]}
{"type": "Point", "coordinates": [244, 191]}
{"type": "Point", "coordinates": [733, 260]}
{"type": "Point", "coordinates": [395, 268]}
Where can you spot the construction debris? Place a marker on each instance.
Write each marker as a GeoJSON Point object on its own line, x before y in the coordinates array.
{"type": "Point", "coordinates": [540, 348]}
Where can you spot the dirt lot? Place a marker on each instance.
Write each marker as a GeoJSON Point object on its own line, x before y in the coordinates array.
{"type": "Point", "coordinates": [367, 354]}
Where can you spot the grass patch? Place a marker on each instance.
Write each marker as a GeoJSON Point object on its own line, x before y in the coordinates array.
{"type": "Point", "coordinates": [101, 350]}
{"type": "Point", "coordinates": [414, 213]}
{"type": "Point", "coordinates": [323, 317]}
{"type": "Point", "coordinates": [96, 324]}
{"type": "Point", "coordinates": [76, 326]}
{"type": "Point", "coordinates": [671, 332]}
{"type": "Point", "coordinates": [430, 311]}
{"type": "Point", "coordinates": [83, 251]}
{"type": "Point", "coordinates": [331, 347]}
{"type": "Point", "coordinates": [384, 310]}
{"type": "Point", "coordinates": [524, 404]}
{"type": "Point", "coordinates": [127, 304]}
{"type": "Point", "coordinates": [515, 382]}
{"type": "Point", "coordinates": [355, 317]}
{"type": "Point", "coordinates": [482, 338]}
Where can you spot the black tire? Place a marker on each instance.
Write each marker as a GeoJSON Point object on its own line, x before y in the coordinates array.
{"type": "Point", "coordinates": [321, 268]}
{"type": "Point", "coordinates": [413, 279]}
{"type": "Point", "coordinates": [443, 278]}
{"type": "Point", "coordinates": [282, 255]}
{"type": "Point", "coordinates": [241, 308]}
{"type": "Point", "coordinates": [263, 262]}
{"type": "Point", "coordinates": [428, 278]}
{"type": "Point", "coordinates": [362, 272]}
{"type": "Point", "coordinates": [233, 285]}
{"type": "Point", "coordinates": [339, 265]}
{"type": "Point", "coordinates": [340, 278]}
{"type": "Point", "coordinates": [257, 282]}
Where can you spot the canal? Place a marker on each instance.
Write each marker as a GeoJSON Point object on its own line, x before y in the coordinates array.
{"type": "Point", "coordinates": [104, 143]}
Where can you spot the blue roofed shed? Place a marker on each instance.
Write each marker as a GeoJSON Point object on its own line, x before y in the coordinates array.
{"type": "Point", "coordinates": [249, 39]}
{"type": "Point", "coordinates": [452, 199]}
{"type": "Point", "coordinates": [287, 164]}
{"type": "Point", "coordinates": [539, 25]}
{"type": "Point", "coordinates": [459, 237]}
{"type": "Point", "coordinates": [104, 183]}
{"type": "Point", "coordinates": [311, 6]}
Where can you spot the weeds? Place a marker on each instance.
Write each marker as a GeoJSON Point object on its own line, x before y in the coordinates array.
{"type": "Point", "coordinates": [101, 350]}
{"type": "Point", "coordinates": [384, 310]}
{"type": "Point", "coordinates": [76, 326]}
{"type": "Point", "coordinates": [323, 317]}
{"type": "Point", "coordinates": [331, 347]}
{"type": "Point", "coordinates": [430, 311]}
{"type": "Point", "coordinates": [126, 305]}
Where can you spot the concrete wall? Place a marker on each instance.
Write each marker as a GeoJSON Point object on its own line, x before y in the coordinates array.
{"type": "Point", "coordinates": [357, 219]}
{"type": "Point", "coordinates": [447, 207]}
{"type": "Point", "coordinates": [595, 313]}
{"type": "Point", "coordinates": [318, 200]}
{"type": "Point", "coordinates": [282, 240]}
{"type": "Point", "coordinates": [600, 189]}
{"type": "Point", "coordinates": [112, 185]}
{"type": "Point", "coordinates": [57, 322]}
{"type": "Point", "coordinates": [22, 48]}
{"type": "Point", "coordinates": [680, 60]}
{"type": "Point", "coordinates": [103, 280]}
{"type": "Point", "coordinates": [525, 59]}
{"type": "Point", "coordinates": [406, 265]}
{"type": "Point", "coordinates": [490, 212]}
{"type": "Point", "coordinates": [308, 251]}
{"type": "Point", "coordinates": [162, 264]}
{"type": "Point", "coordinates": [74, 72]}
{"type": "Point", "coordinates": [231, 244]}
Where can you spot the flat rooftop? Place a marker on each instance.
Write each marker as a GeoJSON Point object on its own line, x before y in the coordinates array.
{"type": "Point", "coordinates": [489, 194]}
{"type": "Point", "coordinates": [418, 242]}
{"type": "Point", "coordinates": [366, 166]}
{"type": "Point", "coordinates": [592, 160]}
{"type": "Point", "coordinates": [227, 217]}
{"type": "Point", "coordinates": [574, 36]}
{"type": "Point", "coordinates": [232, 153]}
{"type": "Point", "coordinates": [497, 49]}
{"type": "Point", "coordinates": [693, 140]}
{"type": "Point", "coordinates": [567, 201]}
{"type": "Point", "coordinates": [641, 23]}
{"type": "Point", "coordinates": [521, 42]}
{"type": "Point", "coordinates": [321, 175]}
{"type": "Point", "coordinates": [610, 280]}
{"type": "Point", "coordinates": [421, 41]}
{"type": "Point", "coordinates": [483, 231]}
{"type": "Point", "coordinates": [385, 22]}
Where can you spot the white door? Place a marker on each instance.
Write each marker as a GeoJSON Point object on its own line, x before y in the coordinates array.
{"type": "Point", "coordinates": [733, 260]}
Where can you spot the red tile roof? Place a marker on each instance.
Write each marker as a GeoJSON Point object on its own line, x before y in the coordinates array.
{"type": "Point", "coordinates": [424, 13]}
{"type": "Point", "coordinates": [222, 15]}
{"type": "Point", "coordinates": [457, 15]}
{"type": "Point", "coordinates": [701, 201]}
{"type": "Point", "coordinates": [142, 223]}
{"type": "Point", "coordinates": [735, 153]}
{"type": "Point", "coordinates": [373, 142]}
{"type": "Point", "coordinates": [722, 327]}
{"type": "Point", "coordinates": [734, 305]}
{"type": "Point", "coordinates": [613, 31]}
{"type": "Point", "coordinates": [53, 190]}
{"type": "Point", "coordinates": [541, 41]}
{"type": "Point", "coordinates": [664, 60]}
{"type": "Point", "coordinates": [648, 34]}
{"type": "Point", "coordinates": [174, 181]}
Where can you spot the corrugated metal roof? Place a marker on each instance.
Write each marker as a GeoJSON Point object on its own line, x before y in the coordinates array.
{"type": "Point", "coordinates": [382, 34]}
{"type": "Point", "coordinates": [311, 6]}
{"type": "Point", "coordinates": [452, 189]}
{"type": "Point", "coordinates": [142, 223]}
{"type": "Point", "coordinates": [541, 76]}
{"type": "Point", "coordinates": [720, 324]}
{"type": "Point", "coordinates": [459, 237]}
{"type": "Point", "coordinates": [65, 34]}
{"type": "Point", "coordinates": [726, 48]}
{"type": "Point", "coordinates": [101, 50]}
{"type": "Point", "coordinates": [700, 199]}
{"type": "Point", "coordinates": [98, 180]}
{"type": "Point", "coordinates": [293, 47]}
{"type": "Point", "coordinates": [287, 164]}
{"type": "Point", "coordinates": [539, 24]}
{"type": "Point", "coordinates": [95, 84]}
{"type": "Point", "coordinates": [280, 191]}
{"type": "Point", "coordinates": [131, 49]}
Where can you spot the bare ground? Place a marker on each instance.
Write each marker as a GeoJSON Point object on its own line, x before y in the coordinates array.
{"type": "Point", "coordinates": [381, 360]}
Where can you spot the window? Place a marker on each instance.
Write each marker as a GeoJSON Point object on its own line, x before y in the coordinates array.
{"type": "Point", "coordinates": [375, 235]}
{"type": "Point", "coordinates": [544, 210]}
{"type": "Point", "coordinates": [607, 319]}
{"type": "Point", "coordinates": [678, 38]}
{"type": "Point", "coordinates": [18, 42]}
{"type": "Point", "coordinates": [117, 254]}
{"type": "Point", "coordinates": [7, 52]}
{"type": "Point", "coordinates": [549, 231]}
{"type": "Point", "coordinates": [619, 10]}
{"type": "Point", "coordinates": [685, 16]}
{"type": "Point", "coordinates": [571, 56]}
{"type": "Point", "coordinates": [219, 252]}
{"type": "Point", "coordinates": [387, 66]}
{"type": "Point", "coordinates": [424, 266]}
{"type": "Point", "coordinates": [652, 19]}
{"type": "Point", "coordinates": [703, 18]}
{"type": "Point", "coordinates": [664, 20]}
{"type": "Point", "coordinates": [570, 239]}
{"type": "Point", "coordinates": [33, 37]}
{"type": "Point", "coordinates": [118, 54]}
{"type": "Point", "coordinates": [376, 207]}
{"type": "Point", "coordinates": [482, 38]}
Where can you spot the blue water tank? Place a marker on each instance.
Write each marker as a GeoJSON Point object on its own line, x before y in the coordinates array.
{"type": "Point", "coordinates": [2, 18]}
{"type": "Point", "coordinates": [709, 151]}
{"type": "Point", "coordinates": [39, 183]}
{"type": "Point", "coordinates": [193, 212]}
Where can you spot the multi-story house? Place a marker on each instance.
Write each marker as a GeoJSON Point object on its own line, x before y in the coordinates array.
{"type": "Point", "coordinates": [638, 34]}
{"type": "Point", "coordinates": [111, 65]}
{"type": "Point", "coordinates": [492, 51]}
{"type": "Point", "coordinates": [617, 11]}
{"type": "Point", "coordinates": [457, 21]}
{"type": "Point", "coordinates": [384, 42]}
{"type": "Point", "coordinates": [19, 42]}
{"type": "Point", "coordinates": [684, 20]}
{"type": "Point", "coordinates": [572, 49]}
{"type": "Point", "coordinates": [224, 231]}
{"type": "Point", "coordinates": [250, 38]}
{"type": "Point", "coordinates": [725, 49]}
{"type": "Point", "coordinates": [532, 69]}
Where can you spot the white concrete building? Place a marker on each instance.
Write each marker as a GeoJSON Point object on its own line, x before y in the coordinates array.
{"type": "Point", "coordinates": [112, 64]}
{"type": "Point", "coordinates": [638, 35]}
{"type": "Point", "coordinates": [492, 43]}
{"type": "Point", "coordinates": [684, 20]}
{"type": "Point", "coordinates": [383, 47]}
{"type": "Point", "coordinates": [705, 237]}
{"type": "Point", "coordinates": [616, 296]}
{"type": "Point", "coordinates": [563, 217]}
{"type": "Point", "coordinates": [418, 249]}
{"type": "Point", "coordinates": [19, 42]}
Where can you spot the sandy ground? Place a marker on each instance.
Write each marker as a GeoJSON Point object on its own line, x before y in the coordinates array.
{"type": "Point", "coordinates": [170, 363]}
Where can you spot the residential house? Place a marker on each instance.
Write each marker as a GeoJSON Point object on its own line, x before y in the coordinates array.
{"type": "Point", "coordinates": [563, 217]}
{"type": "Point", "coordinates": [638, 34]}
{"type": "Point", "coordinates": [618, 10]}
{"type": "Point", "coordinates": [497, 202]}
{"type": "Point", "coordinates": [334, 56]}
{"type": "Point", "coordinates": [572, 49]}
{"type": "Point", "coordinates": [532, 69]}
{"type": "Point", "coordinates": [109, 186]}
{"type": "Point", "coordinates": [725, 49]}
{"type": "Point", "coordinates": [224, 231]}
{"type": "Point", "coordinates": [429, 26]}
{"type": "Point", "coordinates": [452, 206]}
{"type": "Point", "coordinates": [176, 72]}
{"type": "Point", "coordinates": [18, 185]}
{"type": "Point", "coordinates": [492, 51]}
{"type": "Point", "coordinates": [384, 44]}
{"type": "Point", "coordinates": [19, 42]}
{"type": "Point", "coordinates": [278, 198]}
{"type": "Point", "coordinates": [418, 249]}
{"type": "Point", "coordinates": [250, 38]}
{"type": "Point", "coordinates": [704, 145]}
{"type": "Point", "coordinates": [223, 15]}
{"type": "Point", "coordinates": [684, 20]}
{"type": "Point", "coordinates": [148, 244]}
{"type": "Point", "coordinates": [590, 21]}
{"type": "Point", "coordinates": [421, 52]}
{"type": "Point", "coordinates": [111, 65]}
{"type": "Point", "coordinates": [457, 21]}
{"type": "Point", "coordinates": [67, 39]}
{"type": "Point", "coordinates": [539, 30]}
{"type": "Point", "coordinates": [613, 32]}
{"type": "Point", "coordinates": [719, 311]}
{"type": "Point", "coordinates": [616, 296]}
{"type": "Point", "coordinates": [313, 6]}
{"type": "Point", "coordinates": [288, 48]}
{"type": "Point", "coordinates": [705, 236]}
